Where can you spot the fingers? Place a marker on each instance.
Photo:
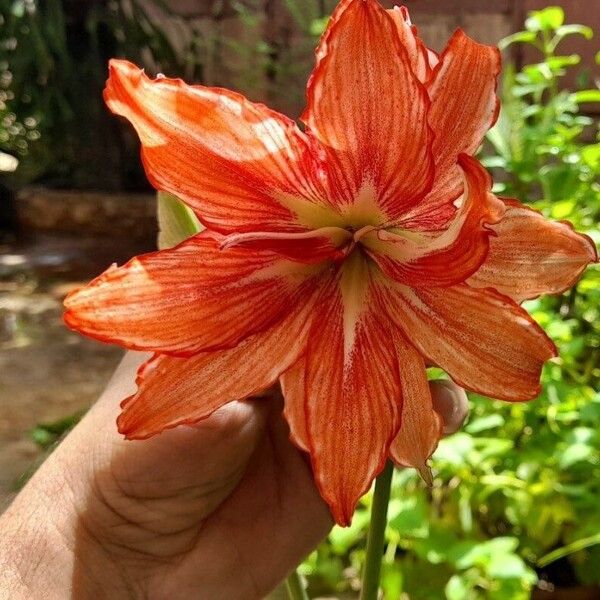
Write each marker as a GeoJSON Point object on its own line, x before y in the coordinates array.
{"type": "Point", "coordinates": [450, 402]}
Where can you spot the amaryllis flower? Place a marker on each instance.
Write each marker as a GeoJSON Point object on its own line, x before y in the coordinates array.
{"type": "Point", "coordinates": [339, 260]}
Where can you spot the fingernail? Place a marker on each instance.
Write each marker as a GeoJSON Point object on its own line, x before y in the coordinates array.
{"type": "Point", "coordinates": [450, 402]}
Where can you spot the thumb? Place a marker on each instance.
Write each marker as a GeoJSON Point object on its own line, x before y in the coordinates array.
{"type": "Point", "coordinates": [184, 473]}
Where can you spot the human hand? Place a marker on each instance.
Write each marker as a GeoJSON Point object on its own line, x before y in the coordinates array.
{"type": "Point", "coordinates": [225, 509]}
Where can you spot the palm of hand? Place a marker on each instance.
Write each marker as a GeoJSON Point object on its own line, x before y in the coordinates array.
{"type": "Point", "coordinates": [222, 510]}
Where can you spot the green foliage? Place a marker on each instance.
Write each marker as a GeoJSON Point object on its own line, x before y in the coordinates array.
{"type": "Point", "coordinates": [45, 435]}
{"type": "Point", "coordinates": [518, 488]}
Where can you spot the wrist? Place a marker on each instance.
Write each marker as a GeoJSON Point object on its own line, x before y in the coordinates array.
{"type": "Point", "coordinates": [46, 550]}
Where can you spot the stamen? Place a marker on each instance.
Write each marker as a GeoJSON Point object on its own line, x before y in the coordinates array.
{"type": "Point", "coordinates": [363, 231]}
{"type": "Point", "coordinates": [337, 235]}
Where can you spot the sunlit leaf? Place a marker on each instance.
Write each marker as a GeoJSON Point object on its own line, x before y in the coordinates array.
{"type": "Point", "coordinates": [527, 37]}
{"type": "Point", "coordinates": [586, 96]}
{"type": "Point", "coordinates": [176, 221]}
{"type": "Point", "coordinates": [485, 423]}
{"type": "Point", "coordinates": [456, 588]}
{"type": "Point", "coordinates": [573, 29]}
{"type": "Point", "coordinates": [547, 19]}
{"type": "Point", "coordinates": [574, 454]}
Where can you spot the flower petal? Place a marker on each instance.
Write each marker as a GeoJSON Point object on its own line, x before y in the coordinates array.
{"type": "Point", "coordinates": [483, 340]}
{"type": "Point", "coordinates": [323, 47]}
{"type": "Point", "coordinates": [352, 394]}
{"type": "Point", "coordinates": [190, 298]}
{"type": "Point", "coordinates": [421, 427]}
{"type": "Point", "coordinates": [531, 255]}
{"type": "Point", "coordinates": [418, 54]}
{"type": "Point", "coordinates": [448, 256]}
{"type": "Point", "coordinates": [239, 165]}
{"type": "Point", "coordinates": [176, 391]}
{"type": "Point", "coordinates": [378, 145]}
{"type": "Point", "coordinates": [464, 106]}
{"type": "Point", "coordinates": [292, 387]}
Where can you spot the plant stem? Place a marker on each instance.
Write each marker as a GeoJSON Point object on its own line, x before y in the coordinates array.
{"type": "Point", "coordinates": [295, 587]}
{"type": "Point", "coordinates": [381, 498]}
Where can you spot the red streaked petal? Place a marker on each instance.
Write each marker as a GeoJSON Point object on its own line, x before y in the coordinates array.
{"type": "Point", "coordinates": [239, 165]}
{"type": "Point", "coordinates": [190, 298]}
{"type": "Point", "coordinates": [176, 391]}
{"type": "Point", "coordinates": [483, 340]}
{"type": "Point", "coordinates": [421, 427]}
{"type": "Point", "coordinates": [292, 387]}
{"type": "Point", "coordinates": [418, 54]}
{"type": "Point", "coordinates": [449, 256]}
{"type": "Point", "coordinates": [378, 145]}
{"type": "Point", "coordinates": [531, 255]}
{"type": "Point", "coordinates": [322, 48]}
{"type": "Point", "coordinates": [464, 106]}
{"type": "Point", "coordinates": [352, 394]}
{"type": "Point", "coordinates": [433, 58]}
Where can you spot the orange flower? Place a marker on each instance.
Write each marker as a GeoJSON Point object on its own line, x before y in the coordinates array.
{"type": "Point", "coordinates": [338, 260]}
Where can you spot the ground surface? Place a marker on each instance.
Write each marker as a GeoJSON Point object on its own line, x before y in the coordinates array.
{"type": "Point", "coordinates": [46, 372]}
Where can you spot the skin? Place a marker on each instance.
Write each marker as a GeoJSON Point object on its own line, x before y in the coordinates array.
{"type": "Point", "coordinates": [225, 509]}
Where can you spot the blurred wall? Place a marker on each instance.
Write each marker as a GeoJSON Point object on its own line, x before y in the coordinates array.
{"type": "Point", "coordinates": [265, 47]}
{"type": "Point", "coordinates": [242, 30]}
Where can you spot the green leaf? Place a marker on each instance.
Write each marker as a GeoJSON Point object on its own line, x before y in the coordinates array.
{"type": "Point", "coordinates": [434, 549]}
{"type": "Point", "coordinates": [455, 449]}
{"type": "Point", "coordinates": [469, 554]}
{"type": "Point", "coordinates": [343, 538]}
{"type": "Point", "coordinates": [18, 9]}
{"type": "Point", "coordinates": [591, 156]}
{"type": "Point", "coordinates": [509, 566]}
{"type": "Point", "coordinates": [484, 423]}
{"type": "Point", "coordinates": [493, 162]}
{"type": "Point", "coordinates": [573, 29]}
{"type": "Point", "coordinates": [457, 588]}
{"type": "Point", "coordinates": [521, 37]}
{"type": "Point", "coordinates": [318, 26]}
{"type": "Point", "coordinates": [176, 222]}
{"type": "Point", "coordinates": [46, 434]}
{"type": "Point", "coordinates": [408, 517]}
{"type": "Point", "coordinates": [558, 181]}
{"type": "Point", "coordinates": [586, 96]}
{"type": "Point", "coordinates": [557, 63]}
{"type": "Point", "coordinates": [392, 581]}
{"type": "Point", "coordinates": [498, 137]}
{"type": "Point", "coordinates": [550, 18]}
{"type": "Point", "coordinates": [489, 447]}
{"type": "Point", "coordinates": [574, 454]}
{"type": "Point", "coordinates": [562, 209]}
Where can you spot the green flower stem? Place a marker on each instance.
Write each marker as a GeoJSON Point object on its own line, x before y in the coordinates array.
{"type": "Point", "coordinates": [381, 499]}
{"type": "Point", "coordinates": [295, 587]}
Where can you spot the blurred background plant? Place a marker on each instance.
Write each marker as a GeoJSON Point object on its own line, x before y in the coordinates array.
{"type": "Point", "coordinates": [514, 506]}
{"type": "Point", "coordinates": [53, 58]}
{"type": "Point", "coordinates": [52, 71]}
